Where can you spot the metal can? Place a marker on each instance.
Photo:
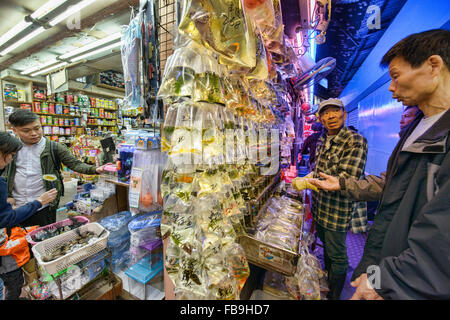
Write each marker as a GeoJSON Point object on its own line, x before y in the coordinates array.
{"type": "Point", "coordinates": [44, 107]}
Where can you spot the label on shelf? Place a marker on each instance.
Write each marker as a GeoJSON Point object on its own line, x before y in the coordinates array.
{"type": "Point", "coordinates": [135, 187]}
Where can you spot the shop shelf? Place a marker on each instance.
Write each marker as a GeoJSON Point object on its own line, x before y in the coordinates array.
{"type": "Point", "coordinates": [17, 102]}
{"type": "Point", "coordinates": [55, 102]}
{"type": "Point", "coordinates": [53, 125]}
{"type": "Point", "coordinates": [58, 115]}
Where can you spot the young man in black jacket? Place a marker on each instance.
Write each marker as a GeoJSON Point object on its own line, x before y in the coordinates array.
{"type": "Point", "coordinates": [408, 247]}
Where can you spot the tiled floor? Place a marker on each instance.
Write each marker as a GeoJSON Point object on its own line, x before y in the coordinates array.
{"type": "Point", "coordinates": [355, 249]}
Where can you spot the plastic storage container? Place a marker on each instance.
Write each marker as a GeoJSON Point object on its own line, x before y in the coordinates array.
{"type": "Point", "coordinates": [145, 279]}
{"type": "Point", "coordinates": [63, 223]}
{"type": "Point", "coordinates": [47, 246]}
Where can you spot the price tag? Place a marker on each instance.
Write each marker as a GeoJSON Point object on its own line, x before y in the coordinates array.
{"type": "Point", "coordinates": [135, 187]}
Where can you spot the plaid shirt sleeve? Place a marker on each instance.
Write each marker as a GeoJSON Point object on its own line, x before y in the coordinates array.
{"type": "Point", "coordinates": [353, 161]}
{"type": "Point", "coordinates": [344, 157]}
{"type": "Point", "coordinates": [359, 222]}
{"type": "Point", "coordinates": [353, 166]}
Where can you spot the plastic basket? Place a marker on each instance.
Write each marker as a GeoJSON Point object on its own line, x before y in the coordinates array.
{"type": "Point", "coordinates": [47, 246]}
{"type": "Point", "coordinates": [62, 223]}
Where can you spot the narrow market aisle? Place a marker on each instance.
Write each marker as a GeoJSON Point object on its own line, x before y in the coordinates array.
{"type": "Point", "coordinates": [355, 249]}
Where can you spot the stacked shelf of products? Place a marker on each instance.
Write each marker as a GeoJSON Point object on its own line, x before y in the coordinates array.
{"type": "Point", "coordinates": [62, 114]}
{"type": "Point", "coordinates": [59, 116]}
{"type": "Point", "coordinates": [99, 114]}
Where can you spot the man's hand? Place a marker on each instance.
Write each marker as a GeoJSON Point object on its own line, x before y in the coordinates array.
{"type": "Point", "coordinates": [11, 201]}
{"type": "Point", "coordinates": [329, 184]}
{"type": "Point", "coordinates": [101, 170]}
{"type": "Point", "coordinates": [364, 290]}
{"type": "Point", "coordinates": [48, 197]}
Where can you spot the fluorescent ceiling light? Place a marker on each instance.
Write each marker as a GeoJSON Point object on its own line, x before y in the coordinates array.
{"type": "Point", "coordinates": [31, 70]}
{"type": "Point", "coordinates": [39, 13]}
{"type": "Point", "coordinates": [60, 65]}
{"type": "Point", "coordinates": [14, 31]}
{"type": "Point", "coordinates": [46, 8]}
{"type": "Point", "coordinates": [23, 40]}
{"type": "Point", "coordinates": [93, 53]}
{"type": "Point", "coordinates": [91, 45]}
{"type": "Point", "coordinates": [70, 11]}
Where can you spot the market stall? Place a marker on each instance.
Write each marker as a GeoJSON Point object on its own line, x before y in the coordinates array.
{"type": "Point", "coordinates": [195, 202]}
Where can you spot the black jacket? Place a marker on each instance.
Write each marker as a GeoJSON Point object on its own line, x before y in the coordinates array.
{"type": "Point", "coordinates": [310, 146]}
{"type": "Point", "coordinates": [410, 238]}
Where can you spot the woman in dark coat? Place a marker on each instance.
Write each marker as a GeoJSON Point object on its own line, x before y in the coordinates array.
{"type": "Point", "coordinates": [10, 217]}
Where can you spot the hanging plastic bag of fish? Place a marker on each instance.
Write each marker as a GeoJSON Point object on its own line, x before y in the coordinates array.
{"type": "Point", "coordinates": [221, 26]}
{"type": "Point", "coordinates": [261, 70]}
{"type": "Point", "coordinates": [273, 35]}
{"type": "Point", "coordinates": [185, 141]}
{"type": "Point", "coordinates": [178, 78]}
{"type": "Point", "coordinates": [208, 86]}
{"type": "Point", "coordinates": [210, 120]}
{"type": "Point", "coordinates": [238, 265]}
{"type": "Point", "coordinates": [192, 277]}
{"type": "Point", "coordinates": [261, 12]}
{"type": "Point", "coordinates": [177, 208]}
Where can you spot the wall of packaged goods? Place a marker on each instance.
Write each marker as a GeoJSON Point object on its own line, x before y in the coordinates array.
{"type": "Point", "coordinates": [72, 113]}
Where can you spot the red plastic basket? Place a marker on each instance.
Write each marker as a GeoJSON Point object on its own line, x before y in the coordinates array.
{"type": "Point", "coordinates": [62, 223]}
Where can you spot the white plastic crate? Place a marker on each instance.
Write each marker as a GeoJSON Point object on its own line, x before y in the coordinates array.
{"type": "Point", "coordinates": [47, 246]}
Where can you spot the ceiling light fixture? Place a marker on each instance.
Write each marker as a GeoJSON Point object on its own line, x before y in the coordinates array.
{"type": "Point", "coordinates": [34, 69]}
{"type": "Point", "coordinates": [35, 33]}
{"type": "Point", "coordinates": [46, 8]}
{"type": "Point", "coordinates": [93, 53]}
{"type": "Point", "coordinates": [70, 11]}
{"type": "Point", "coordinates": [91, 45]}
{"type": "Point", "coordinates": [14, 31]}
{"type": "Point", "coordinates": [38, 14]}
{"type": "Point", "coordinates": [48, 70]}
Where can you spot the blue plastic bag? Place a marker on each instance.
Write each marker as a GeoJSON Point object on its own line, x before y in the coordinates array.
{"type": "Point", "coordinates": [148, 220]}
{"type": "Point", "coordinates": [117, 221]}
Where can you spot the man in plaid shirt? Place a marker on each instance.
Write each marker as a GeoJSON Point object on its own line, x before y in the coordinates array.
{"type": "Point", "coordinates": [341, 152]}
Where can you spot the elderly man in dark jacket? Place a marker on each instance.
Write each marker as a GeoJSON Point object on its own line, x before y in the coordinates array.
{"type": "Point", "coordinates": [407, 253]}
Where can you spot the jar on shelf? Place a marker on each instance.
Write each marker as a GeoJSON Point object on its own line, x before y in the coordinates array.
{"type": "Point", "coordinates": [47, 130]}
{"type": "Point", "coordinates": [69, 98]}
{"type": "Point", "coordinates": [58, 109]}
{"type": "Point", "coordinates": [44, 107]}
{"type": "Point", "coordinates": [37, 107]}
